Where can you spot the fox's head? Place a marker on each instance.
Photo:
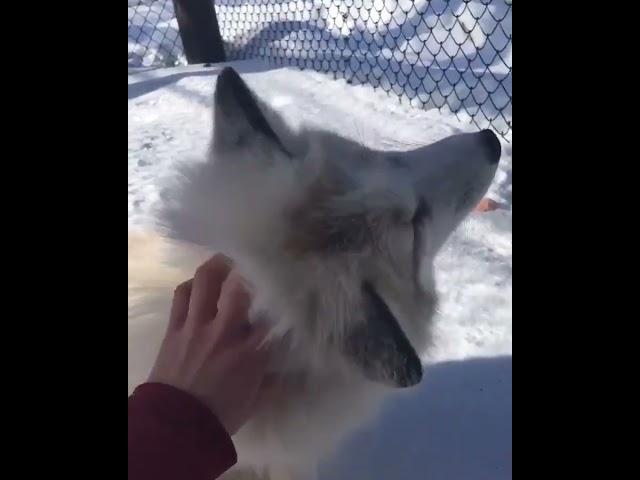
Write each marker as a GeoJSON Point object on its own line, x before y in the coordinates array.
{"type": "Point", "coordinates": [337, 239]}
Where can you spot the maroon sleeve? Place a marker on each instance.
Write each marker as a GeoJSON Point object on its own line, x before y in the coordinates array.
{"type": "Point", "coordinates": [172, 436]}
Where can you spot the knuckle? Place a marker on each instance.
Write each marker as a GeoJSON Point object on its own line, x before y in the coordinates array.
{"type": "Point", "coordinates": [183, 288]}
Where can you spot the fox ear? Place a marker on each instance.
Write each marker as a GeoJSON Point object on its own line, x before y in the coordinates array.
{"type": "Point", "coordinates": [380, 348]}
{"type": "Point", "coordinates": [239, 120]}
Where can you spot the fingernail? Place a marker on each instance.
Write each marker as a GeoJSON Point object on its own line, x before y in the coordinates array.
{"type": "Point", "coordinates": [221, 257]}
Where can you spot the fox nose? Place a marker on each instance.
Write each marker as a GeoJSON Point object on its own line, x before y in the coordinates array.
{"type": "Point", "coordinates": [492, 145]}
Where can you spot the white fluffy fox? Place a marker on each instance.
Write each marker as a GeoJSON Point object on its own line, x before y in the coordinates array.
{"type": "Point", "coordinates": [337, 243]}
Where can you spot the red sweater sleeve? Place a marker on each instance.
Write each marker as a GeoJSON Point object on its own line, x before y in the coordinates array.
{"type": "Point", "coordinates": [172, 436]}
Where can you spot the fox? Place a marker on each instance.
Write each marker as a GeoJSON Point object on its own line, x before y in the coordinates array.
{"type": "Point", "coordinates": [336, 242]}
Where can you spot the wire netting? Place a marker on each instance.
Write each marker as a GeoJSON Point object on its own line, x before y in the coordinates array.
{"type": "Point", "coordinates": [433, 54]}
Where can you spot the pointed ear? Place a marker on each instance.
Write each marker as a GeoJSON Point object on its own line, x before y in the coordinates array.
{"type": "Point", "coordinates": [380, 348]}
{"type": "Point", "coordinates": [239, 119]}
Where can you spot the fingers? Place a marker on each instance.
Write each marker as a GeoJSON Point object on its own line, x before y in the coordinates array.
{"type": "Point", "coordinates": [206, 288]}
{"type": "Point", "coordinates": [257, 334]}
{"type": "Point", "coordinates": [219, 292]}
{"type": "Point", "coordinates": [180, 305]}
{"type": "Point", "coordinates": [233, 305]}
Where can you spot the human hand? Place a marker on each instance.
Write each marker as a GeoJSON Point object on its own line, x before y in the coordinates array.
{"type": "Point", "coordinates": [211, 350]}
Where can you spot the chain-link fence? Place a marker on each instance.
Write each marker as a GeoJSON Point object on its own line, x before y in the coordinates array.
{"type": "Point", "coordinates": [452, 54]}
{"type": "Point", "coordinates": [154, 38]}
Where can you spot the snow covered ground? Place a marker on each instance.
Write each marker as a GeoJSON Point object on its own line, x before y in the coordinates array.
{"type": "Point", "coordinates": [457, 425]}
{"type": "Point", "coordinates": [429, 53]}
{"type": "Point", "coordinates": [154, 38]}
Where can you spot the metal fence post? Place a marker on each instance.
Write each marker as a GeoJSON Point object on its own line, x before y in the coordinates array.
{"type": "Point", "coordinates": [199, 31]}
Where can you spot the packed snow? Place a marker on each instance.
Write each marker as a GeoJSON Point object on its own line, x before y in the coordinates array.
{"type": "Point", "coordinates": [453, 53]}
{"type": "Point", "coordinates": [457, 424]}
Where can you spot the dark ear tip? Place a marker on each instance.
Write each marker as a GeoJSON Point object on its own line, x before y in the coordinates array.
{"type": "Point", "coordinates": [412, 376]}
{"type": "Point", "coordinates": [228, 74]}
{"type": "Point", "coordinates": [228, 80]}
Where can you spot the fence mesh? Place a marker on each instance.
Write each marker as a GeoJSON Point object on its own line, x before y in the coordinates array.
{"type": "Point", "coordinates": [433, 54]}
{"type": "Point", "coordinates": [154, 38]}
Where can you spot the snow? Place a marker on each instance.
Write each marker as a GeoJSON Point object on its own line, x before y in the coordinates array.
{"type": "Point", "coordinates": [456, 427]}
{"type": "Point", "coordinates": [154, 38]}
{"type": "Point", "coordinates": [429, 53]}
{"type": "Point", "coordinates": [457, 424]}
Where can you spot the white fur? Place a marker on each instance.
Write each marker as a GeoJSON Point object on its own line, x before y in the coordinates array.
{"type": "Point", "coordinates": [240, 201]}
